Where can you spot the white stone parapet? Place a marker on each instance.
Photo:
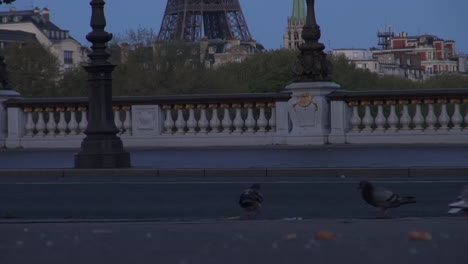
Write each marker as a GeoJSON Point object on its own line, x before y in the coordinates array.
{"type": "Point", "coordinates": [239, 120]}
{"type": "Point", "coordinates": [404, 117]}
{"type": "Point", "coordinates": [304, 114]}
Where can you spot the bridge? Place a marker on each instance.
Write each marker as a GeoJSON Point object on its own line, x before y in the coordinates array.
{"type": "Point", "coordinates": [308, 146]}
{"type": "Point", "coordinates": [303, 115]}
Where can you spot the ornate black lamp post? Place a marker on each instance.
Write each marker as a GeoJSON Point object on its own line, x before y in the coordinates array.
{"type": "Point", "coordinates": [101, 148]}
{"type": "Point", "coordinates": [312, 64]}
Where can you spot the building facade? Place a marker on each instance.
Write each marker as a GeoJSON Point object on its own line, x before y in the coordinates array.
{"type": "Point", "coordinates": [415, 56]}
{"type": "Point", "coordinates": [361, 58]}
{"type": "Point", "coordinates": [17, 25]}
{"type": "Point", "coordinates": [292, 39]}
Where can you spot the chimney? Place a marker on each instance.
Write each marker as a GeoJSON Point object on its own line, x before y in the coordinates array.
{"type": "Point", "coordinates": [37, 10]}
{"type": "Point", "coordinates": [46, 14]}
{"type": "Point", "coordinates": [12, 9]}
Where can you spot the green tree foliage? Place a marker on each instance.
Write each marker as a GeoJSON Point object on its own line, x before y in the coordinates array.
{"type": "Point", "coordinates": [73, 82]}
{"type": "Point", "coordinates": [34, 71]}
{"type": "Point", "coordinates": [175, 68]}
{"type": "Point", "coordinates": [351, 78]}
{"type": "Point", "coordinates": [6, 1]}
{"type": "Point", "coordinates": [447, 81]}
{"type": "Point", "coordinates": [264, 72]}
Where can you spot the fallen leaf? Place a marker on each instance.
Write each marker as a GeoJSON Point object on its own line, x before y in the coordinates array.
{"type": "Point", "coordinates": [419, 236]}
{"type": "Point", "coordinates": [325, 235]}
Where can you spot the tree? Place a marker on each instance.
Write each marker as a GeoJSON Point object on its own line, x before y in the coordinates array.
{"type": "Point", "coordinates": [34, 70]}
{"type": "Point", "coordinates": [6, 1]}
{"type": "Point", "coordinates": [73, 82]}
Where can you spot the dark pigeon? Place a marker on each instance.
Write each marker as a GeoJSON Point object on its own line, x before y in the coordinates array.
{"type": "Point", "coordinates": [461, 204]}
{"type": "Point", "coordinates": [382, 198]}
{"type": "Point", "coordinates": [251, 200]}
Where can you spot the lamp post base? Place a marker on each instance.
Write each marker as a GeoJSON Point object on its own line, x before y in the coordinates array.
{"type": "Point", "coordinates": [101, 152]}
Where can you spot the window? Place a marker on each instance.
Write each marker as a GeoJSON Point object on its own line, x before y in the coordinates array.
{"type": "Point", "coordinates": [5, 19]}
{"type": "Point", "coordinates": [68, 57]}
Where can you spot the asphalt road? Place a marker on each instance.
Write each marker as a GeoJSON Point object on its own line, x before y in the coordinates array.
{"type": "Point", "coordinates": [215, 200]}
{"type": "Point", "coordinates": [416, 241]}
{"type": "Point", "coordinates": [329, 156]}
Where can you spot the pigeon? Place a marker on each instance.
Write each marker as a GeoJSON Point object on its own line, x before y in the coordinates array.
{"type": "Point", "coordinates": [461, 204]}
{"type": "Point", "coordinates": [382, 198]}
{"type": "Point", "coordinates": [251, 200]}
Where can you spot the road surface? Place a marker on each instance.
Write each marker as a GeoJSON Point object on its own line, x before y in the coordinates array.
{"type": "Point", "coordinates": [202, 199]}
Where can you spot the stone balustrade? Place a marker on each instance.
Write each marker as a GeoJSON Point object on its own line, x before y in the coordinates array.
{"type": "Point", "coordinates": [149, 121]}
{"type": "Point", "coordinates": [248, 117]}
{"type": "Point", "coordinates": [304, 114]}
{"type": "Point", "coordinates": [410, 116]}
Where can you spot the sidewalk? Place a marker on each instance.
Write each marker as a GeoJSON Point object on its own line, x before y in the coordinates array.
{"type": "Point", "coordinates": [428, 241]}
{"type": "Point", "coordinates": [330, 160]}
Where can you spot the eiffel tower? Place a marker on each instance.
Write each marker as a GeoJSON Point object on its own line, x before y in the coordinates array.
{"type": "Point", "coordinates": [193, 20]}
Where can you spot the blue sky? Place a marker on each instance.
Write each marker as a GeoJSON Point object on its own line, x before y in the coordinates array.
{"type": "Point", "coordinates": [344, 23]}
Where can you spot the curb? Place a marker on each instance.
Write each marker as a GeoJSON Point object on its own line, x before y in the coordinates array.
{"type": "Point", "coordinates": [220, 173]}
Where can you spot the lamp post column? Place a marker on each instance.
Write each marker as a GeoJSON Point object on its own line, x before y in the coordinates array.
{"type": "Point", "coordinates": [312, 64]}
{"type": "Point", "coordinates": [101, 148]}
{"type": "Point", "coordinates": [309, 108]}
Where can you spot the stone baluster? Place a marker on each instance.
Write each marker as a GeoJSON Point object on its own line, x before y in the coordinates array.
{"type": "Point", "coordinates": [367, 120]}
{"type": "Point", "coordinates": [117, 119]}
{"type": "Point", "coordinates": [84, 119]}
{"type": "Point", "coordinates": [443, 118]}
{"type": "Point", "coordinates": [191, 122]}
{"type": "Point", "coordinates": [355, 119]}
{"type": "Point", "coordinates": [169, 121]}
{"type": "Point", "coordinates": [203, 122]}
{"type": "Point", "coordinates": [250, 120]}
{"type": "Point", "coordinates": [29, 126]}
{"type": "Point", "coordinates": [262, 122]}
{"type": "Point", "coordinates": [238, 120]}
{"type": "Point", "coordinates": [418, 118]}
{"type": "Point", "coordinates": [392, 119]}
{"type": "Point", "coordinates": [456, 118]}
{"type": "Point", "coordinates": [214, 121]}
{"type": "Point", "coordinates": [405, 118]}
{"type": "Point", "coordinates": [272, 120]}
{"type": "Point", "coordinates": [127, 124]}
{"type": "Point", "coordinates": [51, 123]}
{"type": "Point", "coordinates": [180, 121]}
{"type": "Point", "coordinates": [72, 124]}
{"type": "Point", "coordinates": [62, 124]}
{"type": "Point", "coordinates": [465, 119]}
{"type": "Point", "coordinates": [380, 119]}
{"type": "Point", "coordinates": [227, 121]}
{"type": "Point", "coordinates": [40, 124]}
{"type": "Point", "coordinates": [431, 118]}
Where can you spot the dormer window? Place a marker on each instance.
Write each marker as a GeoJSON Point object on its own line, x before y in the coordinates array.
{"type": "Point", "coordinates": [211, 50]}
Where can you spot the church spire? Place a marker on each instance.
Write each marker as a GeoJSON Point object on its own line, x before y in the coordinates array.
{"type": "Point", "coordinates": [299, 13]}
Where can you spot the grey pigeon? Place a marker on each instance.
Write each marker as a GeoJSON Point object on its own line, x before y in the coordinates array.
{"type": "Point", "coordinates": [382, 198]}
{"type": "Point", "coordinates": [251, 200]}
{"type": "Point", "coordinates": [461, 204]}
